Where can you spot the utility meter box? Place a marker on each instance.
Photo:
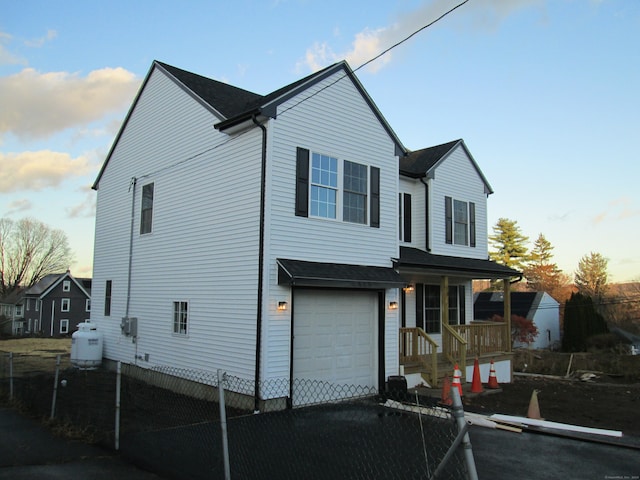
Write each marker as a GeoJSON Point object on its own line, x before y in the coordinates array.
{"type": "Point", "coordinates": [129, 326]}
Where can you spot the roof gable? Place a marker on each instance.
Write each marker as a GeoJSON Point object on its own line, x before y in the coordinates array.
{"type": "Point", "coordinates": [49, 282]}
{"type": "Point", "coordinates": [233, 105]}
{"type": "Point", "coordinates": [423, 163]}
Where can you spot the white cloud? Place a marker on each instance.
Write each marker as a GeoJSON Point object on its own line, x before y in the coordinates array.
{"type": "Point", "coordinates": [38, 104]}
{"type": "Point", "coordinates": [86, 208]}
{"type": "Point", "coordinates": [21, 205]}
{"type": "Point", "coordinates": [6, 57]}
{"type": "Point", "coordinates": [371, 42]}
{"type": "Point", "coordinates": [39, 170]}
{"type": "Point", "coordinates": [39, 42]}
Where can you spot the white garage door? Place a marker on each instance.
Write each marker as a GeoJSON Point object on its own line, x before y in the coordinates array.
{"type": "Point", "coordinates": [335, 337]}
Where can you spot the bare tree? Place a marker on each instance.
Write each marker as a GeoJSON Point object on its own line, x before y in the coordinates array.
{"type": "Point", "coordinates": [29, 250]}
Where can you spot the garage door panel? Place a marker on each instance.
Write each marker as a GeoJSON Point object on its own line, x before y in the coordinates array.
{"type": "Point", "coordinates": [334, 341]}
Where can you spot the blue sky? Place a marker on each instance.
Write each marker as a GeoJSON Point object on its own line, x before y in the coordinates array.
{"type": "Point", "coordinates": [546, 95]}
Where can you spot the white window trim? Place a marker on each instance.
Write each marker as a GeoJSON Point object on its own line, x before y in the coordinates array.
{"type": "Point", "coordinates": [62, 304]}
{"type": "Point", "coordinates": [87, 305]}
{"type": "Point", "coordinates": [64, 322]}
{"type": "Point", "coordinates": [66, 285]}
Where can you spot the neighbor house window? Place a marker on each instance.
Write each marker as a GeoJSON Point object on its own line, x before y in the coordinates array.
{"type": "Point", "coordinates": [107, 299]}
{"type": "Point", "coordinates": [37, 305]}
{"type": "Point", "coordinates": [180, 317]}
{"type": "Point", "coordinates": [87, 305]}
{"type": "Point", "coordinates": [18, 310]}
{"type": "Point", "coordinates": [146, 214]}
{"type": "Point", "coordinates": [328, 187]}
{"type": "Point", "coordinates": [460, 222]}
{"type": "Point", "coordinates": [66, 303]}
{"type": "Point", "coordinates": [64, 326]}
{"type": "Point", "coordinates": [66, 286]}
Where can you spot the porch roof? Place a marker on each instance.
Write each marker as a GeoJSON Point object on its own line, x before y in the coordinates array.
{"type": "Point", "coordinates": [416, 259]}
{"type": "Point", "coordinates": [302, 273]}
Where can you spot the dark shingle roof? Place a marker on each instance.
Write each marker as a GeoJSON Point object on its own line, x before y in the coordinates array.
{"type": "Point", "coordinates": [414, 257]}
{"type": "Point", "coordinates": [303, 273]}
{"type": "Point", "coordinates": [487, 304]}
{"type": "Point", "coordinates": [226, 99]}
{"type": "Point", "coordinates": [43, 284]}
{"type": "Point", "coordinates": [419, 162]}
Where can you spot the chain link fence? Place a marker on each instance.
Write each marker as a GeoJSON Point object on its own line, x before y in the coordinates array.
{"type": "Point", "coordinates": [170, 421]}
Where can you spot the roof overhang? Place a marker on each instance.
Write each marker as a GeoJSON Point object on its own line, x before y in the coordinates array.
{"type": "Point", "coordinates": [299, 273]}
{"type": "Point", "coordinates": [414, 260]}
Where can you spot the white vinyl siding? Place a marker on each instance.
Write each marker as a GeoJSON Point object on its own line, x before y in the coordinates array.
{"type": "Point", "coordinates": [350, 132]}
{"type": "Point", "coordinates": [205, 235]}
{"type": "Point", "coordinates": [456, 177]}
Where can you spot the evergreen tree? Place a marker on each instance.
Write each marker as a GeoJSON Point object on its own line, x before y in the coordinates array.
{"type": "Point", "coordinates": [541, 273]}
{"type": "Point", "coordinates": [591, 276]}
{"type": "Point", "coordinates": [581, 321]}
{"type": "Point", "coordinates": [508, 244]}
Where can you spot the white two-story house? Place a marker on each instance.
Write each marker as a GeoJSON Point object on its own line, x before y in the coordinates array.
{"type": "Point", "coordinates": [261, 234]}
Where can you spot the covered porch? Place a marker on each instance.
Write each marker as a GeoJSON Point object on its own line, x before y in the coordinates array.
{"type": "Point", "coordinates": [437, 323]}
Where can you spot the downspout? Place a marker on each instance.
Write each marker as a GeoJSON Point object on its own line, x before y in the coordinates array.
{"type": "Point", "coordinates": [263, 181]}
{"type": "Point", "coordinates": [53, 309]}
{"type": "Point", "coordinates": [426, 214]}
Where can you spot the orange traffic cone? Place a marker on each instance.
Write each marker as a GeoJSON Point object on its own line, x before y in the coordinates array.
{"type": "Point", "coordinates": [476, 384]}
{"type": "Point", "coordinates": [456, 379]}
{"type": "Point", "coordinates": [534, 407]}
{"type": "Point", "coordinates": [446, 392]}
{"type": "Point", "coordinates": [493, 380]}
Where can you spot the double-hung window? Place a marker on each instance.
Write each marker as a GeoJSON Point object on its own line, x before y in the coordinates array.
{"type": "Point", "coordinates": [460, 222]}
{"type": "Point", "coordinates": [328, 187]}
{"type": "Point", "coordinates": [66, 303]}
{"type": "Point", "coordinates": [324, 186]}
{"type": "Point", "coordinates": [180, 317]}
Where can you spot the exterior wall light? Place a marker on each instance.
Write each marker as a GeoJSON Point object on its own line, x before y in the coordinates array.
{"type": "Point", "coordinates": [393, 305]}
{"type": "Point", "coordinates": [282, 306]}
{"type": "Point", "coordinates": [408, 288]}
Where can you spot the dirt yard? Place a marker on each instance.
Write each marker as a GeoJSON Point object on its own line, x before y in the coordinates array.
{"type": "Point", "coordinates": [609, 401]}
{"type": "Point", "coordinates": [598, 403]}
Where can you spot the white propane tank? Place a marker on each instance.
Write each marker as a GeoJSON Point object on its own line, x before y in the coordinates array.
{"type": "Point", "coordinates": [86, 346]}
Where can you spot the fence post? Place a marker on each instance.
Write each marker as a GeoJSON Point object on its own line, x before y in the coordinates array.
{"type": "Point", "coordinates": [223, 425]}
{"type": "Point", "coordinates": [10, 376]}
{"type": "Point", "coordinates": [458, 414]}
{"type": "Point", "coordinates": [55, 388]}
{"type": "Point", "coordinates": [117, 420]}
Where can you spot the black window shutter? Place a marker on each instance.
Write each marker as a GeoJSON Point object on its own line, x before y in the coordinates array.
{"type": "Point", "coordinates": [420, 305]}
{"type": "Point", "coordinates": [472, 224]}
{"type": "Point", "coordinates": [448, 214]}
{"type": "Point", "coordinates": [375, 197]}
{"type": "Point", "coordinates": [407, 217]}
{"type": "Point", "coordinates": [302, 182]}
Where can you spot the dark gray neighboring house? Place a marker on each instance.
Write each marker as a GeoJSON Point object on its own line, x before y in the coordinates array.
{"type": "Point", "coordinates": [56, 304]}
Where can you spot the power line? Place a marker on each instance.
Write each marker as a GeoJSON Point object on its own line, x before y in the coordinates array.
{"type": "Point", "coordinates": [387, 50]}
